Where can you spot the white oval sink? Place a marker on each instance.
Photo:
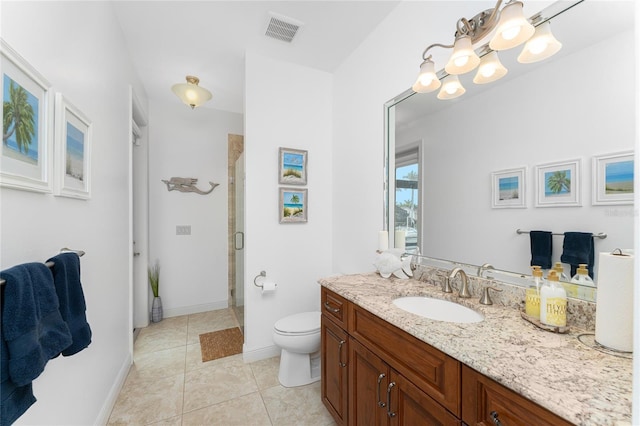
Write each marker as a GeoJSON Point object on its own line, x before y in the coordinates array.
{"type": "Point", "coordinates": [437, 309]}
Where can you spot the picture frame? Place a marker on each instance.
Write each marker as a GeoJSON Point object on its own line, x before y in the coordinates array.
{"type": "Point", "coordinates": [294, 205]}
{"type": "Point", "coordinates": [292, 168]}
{"type": "Point", "coordinates": [612, 179]}
{"type": "Point", "coordinates": [72, 150]}
{"type": "Point", "coordinates": [509, 188]}
{"type": "Point", "coordinates": [558, 184]}
{"type": "Point", "coordinates": [26, 156]}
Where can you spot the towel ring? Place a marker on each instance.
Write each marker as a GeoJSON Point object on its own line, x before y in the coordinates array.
{"type": "Point", "coordinates": [263, 274]}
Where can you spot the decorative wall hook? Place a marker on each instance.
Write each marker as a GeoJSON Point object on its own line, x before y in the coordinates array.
{"type": "Point", "coordinates": [186, 185]}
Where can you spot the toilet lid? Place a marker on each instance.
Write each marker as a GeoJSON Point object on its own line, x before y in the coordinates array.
{"type": "Point", "coordinates": [306, 322]}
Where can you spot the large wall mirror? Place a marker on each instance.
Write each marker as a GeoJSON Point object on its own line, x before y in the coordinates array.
{"type": "Point", "coordinates": [576, 108]}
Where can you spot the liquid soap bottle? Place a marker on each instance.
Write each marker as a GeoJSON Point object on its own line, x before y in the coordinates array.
{"type": "Point", "coordinates": [571, 289]}
{"type": "Point", "coordinates": [553, 302]}
{"type": "Point", "coordinates": [586, 284]}
{"type": "Point", "coordinates": [560, 270]}
{"type": "Point", "coordinates": [532, 295]}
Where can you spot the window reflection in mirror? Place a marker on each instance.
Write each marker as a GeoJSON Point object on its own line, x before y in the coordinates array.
{"type": "Point", "coordinates": [408, 199]}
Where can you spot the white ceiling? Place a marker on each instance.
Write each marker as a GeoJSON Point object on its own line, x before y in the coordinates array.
{"type": "Point", "coordinates": [168, 40]}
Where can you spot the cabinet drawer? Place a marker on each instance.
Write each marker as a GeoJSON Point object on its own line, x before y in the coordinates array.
{"type": "Point", "coordinates": [334, 306]}
{"type": "Point", "coordinates": [481, 397]}
{"type": "Point", "coordinates": [434, 372]}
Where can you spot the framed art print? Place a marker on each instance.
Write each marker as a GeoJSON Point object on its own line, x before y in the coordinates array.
{"type": "Point", "coordinates": [25, 159]}
{"type": "Point", "coordinates": [612, 177]}
{"type": "Point", "coordinates": [293, 167]}
{"type": "Point", "coordinates": [508, 189]}
{"type": "Point", "coordinates": [73, 151]}
{"type": "Point", "coordinates": [294, 205]}
{"type": "Point", "coordinates": [558, 184]}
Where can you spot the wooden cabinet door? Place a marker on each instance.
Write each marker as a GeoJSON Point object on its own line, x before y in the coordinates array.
{"type": "Point", "coordinates": [409, 406]}
{"type": "Point", "coordinates": [334, 369]}
{"type": "Point", "coordinates": [368, 381]}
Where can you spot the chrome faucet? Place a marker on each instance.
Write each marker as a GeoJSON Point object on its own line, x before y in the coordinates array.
{"type": "Point", "coordinates": [483, 267]}
{"type": "Point", "coordinates": [464, 290]}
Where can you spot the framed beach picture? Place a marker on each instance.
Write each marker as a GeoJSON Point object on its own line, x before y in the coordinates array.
{"type": "Point", "coordinates": [25, 159]}
{"type": "Point", "coordinates": [508, 189]}
{"type": "Point", "coordinates": [612, 179]}
{"type": "Point", "coordinates": [293, 167]}
{"type": "Point", "coordinates": [72, 150]}
{"type": "Point", "coordinates": [293, 205]}
{"type": "Point", "coordinates": [558, 184]}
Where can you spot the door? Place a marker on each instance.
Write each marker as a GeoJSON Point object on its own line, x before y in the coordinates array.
{"type": "Point", "coordinates": [368, 383]}
{"type": "Point", "coordinates": [239, 241]}
{"type": "Point", "coordinates": [334, 370]}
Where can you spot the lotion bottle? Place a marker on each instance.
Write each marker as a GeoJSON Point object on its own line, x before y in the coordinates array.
{"type": "Point", "coordinates": [532, 294]}
{"type": "Point", "coordinates": [553, 302]}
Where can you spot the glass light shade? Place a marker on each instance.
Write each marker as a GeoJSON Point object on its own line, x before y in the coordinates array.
{"type": "Point", "coordinates": [541, 46]}
{"type": "Point", "coordinates": [490, 69]}
{"type": "Point", "coordinates": [513, 28]}
{"type": "Point", "coordinates": [427, 78]}
{"type": "Point", "coordinates": [464, 58]}
{"type": "Point", "coordinates": [451, 88]}
{"type": "Point", "coordinates": [190, 93]}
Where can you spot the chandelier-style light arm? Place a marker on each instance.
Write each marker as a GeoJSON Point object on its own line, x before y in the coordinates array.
{"type": "Point", "coordinates": [424, 54]}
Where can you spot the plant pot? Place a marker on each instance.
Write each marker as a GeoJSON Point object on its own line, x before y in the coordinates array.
{"type": "Point", "coordinates": [156, 310]}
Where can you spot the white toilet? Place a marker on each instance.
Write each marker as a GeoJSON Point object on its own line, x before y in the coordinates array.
{"type": "Point", "coordinates": [299, 338]}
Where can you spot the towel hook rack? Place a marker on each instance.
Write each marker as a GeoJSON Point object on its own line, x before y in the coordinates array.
{"type": "Point", "coordinates": [50, 264]}
{"type": "Point", "coordinates": [263, 274]}
{"type": "Point", "coordinates": [600, 235]}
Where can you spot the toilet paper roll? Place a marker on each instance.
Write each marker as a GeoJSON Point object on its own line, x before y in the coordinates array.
{"type": "Point", "coordinates": [614, 301]}
{"type": "Point", "coordinates": [268, 287]}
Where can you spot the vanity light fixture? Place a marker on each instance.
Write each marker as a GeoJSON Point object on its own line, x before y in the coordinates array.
{"type": "Point", "coordinates": [509, 28]}
{"type": "Point", "coordinates": [190, 93]}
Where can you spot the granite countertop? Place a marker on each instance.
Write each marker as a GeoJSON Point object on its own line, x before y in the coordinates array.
{"type": "Point", "coordinates": [557, 371]}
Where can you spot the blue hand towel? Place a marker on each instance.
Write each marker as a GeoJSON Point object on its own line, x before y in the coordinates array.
{"type": "Point", "coordinates": [541, 246]}
{"type": "Point", "coordinates": [576, 249]}
{"type": "Point", "coordinates": [32, 327]}
{"type": "Point", "coordinates": [14, 399]}
{"type": "Point", "coordinates": [66, 277]}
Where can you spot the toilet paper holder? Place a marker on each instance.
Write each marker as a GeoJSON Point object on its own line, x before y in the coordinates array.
{"type": "Point", "coordinates": [263, 274]}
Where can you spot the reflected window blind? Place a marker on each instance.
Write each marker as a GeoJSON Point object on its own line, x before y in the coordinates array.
{"type": "Point", "coordinates": [405, 158]}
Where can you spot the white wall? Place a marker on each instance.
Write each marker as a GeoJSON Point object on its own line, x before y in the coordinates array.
{"type": "Point", "coordinates": [78, 47]}
{"type": "Point", "coordinates": [285, 106]}
{"type": "Point", "coordinates": [189, 143]}
{"type": "Point", "coordinates": [552, 118]}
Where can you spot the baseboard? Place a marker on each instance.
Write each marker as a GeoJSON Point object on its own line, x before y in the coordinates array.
{"type": "Point", "coordinates": [195, 309]}
{"type": "Point", "coordinates": [112, 397]}
{"type": "Point", "coordinates": [260, 354]}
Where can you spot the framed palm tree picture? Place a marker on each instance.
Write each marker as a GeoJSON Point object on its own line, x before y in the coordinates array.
{"type": "Point", "coordinates": [294, 204]}
{"type": "Point", "coordinates": [72, 150]}
{"type": "Point", "coordinates": [25, 158]}
{"type": "Point", "coordinates": [558, 184]}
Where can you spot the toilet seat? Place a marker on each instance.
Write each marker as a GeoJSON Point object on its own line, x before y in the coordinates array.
{"type": "Point", "coordinates": [302, 324]}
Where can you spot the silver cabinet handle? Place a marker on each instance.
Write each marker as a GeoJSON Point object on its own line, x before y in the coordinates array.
{"type": "Point", "coordinates": [389, 412]}
{"type": "Point", "coordinates": [340, 363]}
{"type": "Point", "coordinates": [329, 308]}
{"type": "Point", "coordinates": [235, 240]}
{"type": "Point", "coordinates": [494, 417]}
{"type": "Point", "coordinates": [380, 377]}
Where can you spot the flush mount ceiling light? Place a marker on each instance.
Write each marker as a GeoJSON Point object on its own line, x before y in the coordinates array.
{"type": "Point", "coordinates": [508, 28]}
{"type": "Point", "coordinates": [190, 93]}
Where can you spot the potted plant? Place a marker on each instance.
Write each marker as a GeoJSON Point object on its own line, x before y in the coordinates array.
{"type": "Point", "coordinates": [154, 282]}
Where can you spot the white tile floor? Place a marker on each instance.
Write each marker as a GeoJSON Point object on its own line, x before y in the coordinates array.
{"type": "Point", "coordinates": [170, 385]}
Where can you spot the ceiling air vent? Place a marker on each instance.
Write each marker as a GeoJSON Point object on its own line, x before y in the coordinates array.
{"type": "Point", "coordinates": [282, 28]}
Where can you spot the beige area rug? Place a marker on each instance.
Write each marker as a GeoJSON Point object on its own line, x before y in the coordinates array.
{"type": "Point", "coordinates": [219, 344]}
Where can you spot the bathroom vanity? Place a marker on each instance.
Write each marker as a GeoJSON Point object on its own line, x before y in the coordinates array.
{"type": "Point", "coordinates": [383, 365]}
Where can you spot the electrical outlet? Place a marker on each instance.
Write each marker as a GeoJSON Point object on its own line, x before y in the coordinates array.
{"type": "Point", "coordinates": [183, 229]}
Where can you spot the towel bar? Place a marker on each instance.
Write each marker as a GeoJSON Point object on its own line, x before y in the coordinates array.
{"type": "Point", "coordinates": [600, 235]}
{"type": "Point", "coordinates": [80, 253]}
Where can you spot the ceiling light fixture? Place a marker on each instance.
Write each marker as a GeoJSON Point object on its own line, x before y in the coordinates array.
{"type": "Point", "coordinates": [509, 28]}
{"type": "Point", "coordinates": [190, 93]}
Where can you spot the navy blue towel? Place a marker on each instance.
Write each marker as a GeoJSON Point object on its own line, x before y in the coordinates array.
{"type": "Point", "coordinates": [31, 323]}
{"type": "Point", "coordinates": [14, 399]}
{"type": "Point", "coordinates": [541, 246]}
{"type": "Point", "coordinates": [66, 277]}
{"type": "Point", "coordinates": [576, 249]}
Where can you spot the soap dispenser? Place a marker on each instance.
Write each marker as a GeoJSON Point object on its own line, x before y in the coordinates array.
{"type": "Point", "coordinates": [571, 289]}
{"type": "Point", "coordinates": [553, 302]}
{"type": "Point", "coordinates": [586, 286]}
{"type": "Point", "coordinates": [560, 270]}
{"type": "Point", "coordinates": [532, 295]}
